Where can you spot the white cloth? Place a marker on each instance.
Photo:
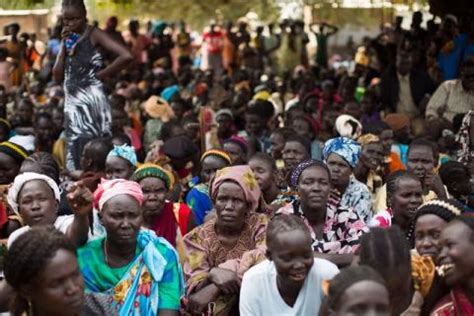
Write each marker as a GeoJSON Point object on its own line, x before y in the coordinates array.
{"type": "Point", "coordinates": [25, 141]}
{"type": "Point", "coordinates": [259, 293]}
{"type": "Point", "coordinates": [62, 224]}
{"type": "Point", "coordinates": [20, 181]}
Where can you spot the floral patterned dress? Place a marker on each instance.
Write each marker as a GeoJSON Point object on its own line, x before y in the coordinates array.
{"type": "Point", "coordinates": [341, 231]}
{"type": "Point", "coordinates": [205, 252]}
{"type": "Point", "coordinates": [151, 282]}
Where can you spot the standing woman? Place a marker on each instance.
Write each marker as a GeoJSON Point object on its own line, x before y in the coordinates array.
{"type": "Point", "coordinates": [81, 66]}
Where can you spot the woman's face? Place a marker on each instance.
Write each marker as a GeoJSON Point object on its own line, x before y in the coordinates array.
{"type": "Point", "coordinates": [293, 154]}
{"type": "Point", "coordinates": [154, 193]}
{"type": "Point", "coordinates": [59, 286]}
{"type": "Point", "coordinates": [122, 219]}
{"type": "Point", "coordinates": [314, 187]}
{"type": "Point", "coordinates": [277, 144]}
{"type": "Point", "coordinates": [407, 197]}
{"type": "Point", "coordinates": [37, 204]}
{"type": "Point", "coordinates": [118, 168]}
{"type": "Point", "coordinates": [386, 137]}
{"type": "Point", "coordinates": [9, 169]}
{"type": "Point", "coordinates": [340, 170]}
{"type": "Point", "coordinates": [73, 19]}
{"type": "Point", "coordinates": [373, 155]}
{"type": "Point", "coordinates": [364, 298]}
{"type": "Point", "coordinates": [292, 255]}
{"type": "Point", "coordinates": [236, 153]}
{"type": "Point", "coordinates": [428, 230]}
{"type": "Point", "coordinates": [420, 161]}
{"type": "Point", "coordinates": [302, 127]}
{"type": "Point", "coordinates": [456, 255]}
{"type": "Point", "coordinates": [209, 167]}
{"type": "Point", "coordinates": [231, 205]}
{"type": "Point", "coordinates": [264, 174]}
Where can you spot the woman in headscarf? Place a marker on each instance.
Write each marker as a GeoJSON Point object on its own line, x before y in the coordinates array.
{"type": "Point", "coordinates": [465, 138]}
{"type": "Point", "coordinates": [341, 155]}
{"type": "Point", "coordinates": [139, 270]}
{"type": "Point", "coordinates": [167, 219]}
{"type": "Point", "coordinates": [227, 245]}
{"type": "Point", "coordinates": [198, 198]}
{"type": "Point", "coordinates": [335, 230]}
{"type": "Point", "coordinates": [369, 170]}
{"type": "Point", "coordinates": [121, 162]}
{"type": "Point", "coordinates": [35, 200]}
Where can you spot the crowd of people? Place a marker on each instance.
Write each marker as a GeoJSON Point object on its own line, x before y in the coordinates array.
{"type": "Point", "coordinates": [161, 173]}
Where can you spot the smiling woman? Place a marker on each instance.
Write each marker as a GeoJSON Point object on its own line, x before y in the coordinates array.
{"type": "Point", "coordinates": [455, 264]}
{"type": "Point", "coordinates": [290, 281]}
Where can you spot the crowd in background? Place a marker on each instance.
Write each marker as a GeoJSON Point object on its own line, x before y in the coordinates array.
{"type": "Point", "coordinates": [156, 170]}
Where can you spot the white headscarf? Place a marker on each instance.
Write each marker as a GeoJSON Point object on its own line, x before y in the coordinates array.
{"type": "Point", "coordinates": [20, 181]}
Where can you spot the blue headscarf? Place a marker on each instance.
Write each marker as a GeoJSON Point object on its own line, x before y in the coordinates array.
{"type": "Point", "coordinates": [169, 92]}
{"type": "Point", "coordinates": [345, 147]}
{"type": "Point", "coordinates": [126, 152]}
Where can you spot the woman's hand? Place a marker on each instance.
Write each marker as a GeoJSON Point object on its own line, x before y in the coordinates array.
{"type": "Point", "coordinates": [65, 33]}
{"type": "Point", "coordinates": [199, 301]}
{"type": "Point", "coordinates": [226, 280]}
{"type": "Point", "coordinates": [80, 198]}
{"type": "Point", "coordinates": [434, 183]}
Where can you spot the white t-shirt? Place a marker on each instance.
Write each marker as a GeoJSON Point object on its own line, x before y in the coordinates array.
{"type": "Point", "coordinates": [259, 293]}
{"type": "Point", "coordinates": [62, 224]}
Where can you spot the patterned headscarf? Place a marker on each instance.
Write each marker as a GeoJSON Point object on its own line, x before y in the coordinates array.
{"type": "Point", "coordinates": [13, 150]}
{"type": "Point", "coordinates": [462, 138]}
{"type": "Point", "coordinates": [218, 153]}
{"type": "Point", "coordinates": [348, 126]}
{"type": "Point", "coordinates": [367, 139]}
{"type": "Point", "coordinates": [244, 177]}
{"type": "Point", "coordinates": [126, 152]}
{"type": "Point", "coordinates": [153, 170]}
{"type": "Point", "coordinates": [298, 170]}
{"type": "Point", "coordinates": [345, 147]}
{"type": "Point", "coordinates": [109, 189]}
{"type": "Point", "coordinates": [20, 181]}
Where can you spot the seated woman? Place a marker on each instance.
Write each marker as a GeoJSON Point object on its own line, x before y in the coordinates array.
{"type": "Point", "coordinates": [35, 199]}
{"type": "Point", "coordinates": [11, 158]}
{"type": "Point", "coordinates": [454, 265]}
{"type": "Point", "coordinates": [237, 148]}
{"type": "Point", "coordinates": [369, 170]}
{"type": "Point", "coordinates": [341, 155]}
{"type": "Point", "coordinates": [167, 219]}
{"type": "Point", "coordinates": [408, 280]}
{"type": "Point", "coordinates": [428, 223]}
{"type": "Point", "coordinates": [357, 290]}
{"type": "Point", "coordinates": [139, 270]}
{"type": "Point", "coordinates": [404, 196]}
{"type": "Point", "coordinates": [121, 162]}
{"type": "Point", "coordinates": [290, 281]}
{"type": "Point", "coordinates": [198, 198]}
{"type": "Point", "coordinates": [41, 266]}
{"type": "Point", "coordinates": [228, 244]}
{"type": "Point", "coordinates": [335, 230]}
{"type": "Point", "coordinates": [265, 170]}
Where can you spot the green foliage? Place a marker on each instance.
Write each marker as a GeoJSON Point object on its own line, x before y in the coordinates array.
{"type": "Point", "coordinates": [26, 4]}
{"type": "Point", "coordinates": [195, 12]}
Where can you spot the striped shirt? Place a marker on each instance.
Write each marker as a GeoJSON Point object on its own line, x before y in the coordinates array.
{"type": "Point", "coordinates": [450, 99]}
